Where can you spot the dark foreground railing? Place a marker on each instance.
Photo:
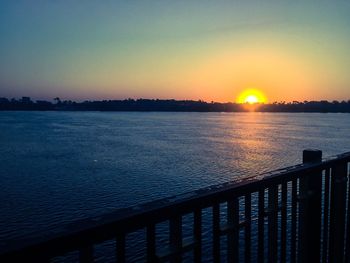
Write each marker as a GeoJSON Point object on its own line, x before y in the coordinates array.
{"type": "Point", "coordinates": [297, 214]}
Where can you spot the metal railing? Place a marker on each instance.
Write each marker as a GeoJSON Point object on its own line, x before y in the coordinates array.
{"type": "Point", "coordinates": [296, 214]}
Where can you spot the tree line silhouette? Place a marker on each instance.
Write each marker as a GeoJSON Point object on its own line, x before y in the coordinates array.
{"type": "Point", "coordinates": [26, 104]}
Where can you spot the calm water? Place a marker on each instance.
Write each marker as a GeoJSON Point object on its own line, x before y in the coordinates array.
{"type": "Point", "coordinates": [56, 167]}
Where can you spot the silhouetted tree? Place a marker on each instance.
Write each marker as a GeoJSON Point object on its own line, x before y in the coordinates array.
{"type": "Point", "coordinates": [58, 100]}
{"type": "Point", "coordinates": [173, 105]}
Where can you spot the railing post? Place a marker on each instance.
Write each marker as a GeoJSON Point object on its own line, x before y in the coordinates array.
{"type": "Point", "coordinates": [337, 212]}
{"type": "Point", "coordinates": [175, 227]}
{"type": "Point", "coordinates": [310, 190]}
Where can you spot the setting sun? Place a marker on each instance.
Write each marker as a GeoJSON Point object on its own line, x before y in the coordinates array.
{"type": "Point", "coordinates": [252, 99]}
{"type": "Point", "coordinates": [251, 96]}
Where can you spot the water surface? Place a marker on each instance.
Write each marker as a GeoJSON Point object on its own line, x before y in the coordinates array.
{"type": "Point", "coordinates": [57, 167]}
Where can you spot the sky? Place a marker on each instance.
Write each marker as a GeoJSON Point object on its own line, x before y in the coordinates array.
{"type": "Point", "coordinates": [208, 50]}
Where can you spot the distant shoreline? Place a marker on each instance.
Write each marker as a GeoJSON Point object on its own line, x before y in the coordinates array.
{"type": "Point", "coordinates": [155, 105]}
{"type": "Point", "coordinates": [170, 111]}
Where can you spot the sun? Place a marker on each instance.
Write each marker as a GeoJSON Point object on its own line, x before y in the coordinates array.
{"type": "Point", "coordinates": [251, 99]}
{"type": "Point", "coordinates": [251, 96]}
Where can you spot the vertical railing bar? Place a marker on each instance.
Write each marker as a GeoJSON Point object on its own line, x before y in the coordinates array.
{"type": "Point", "coordinates": [338, 210]}
{"type": "Point", "coordinates": [261, 221]}
{"type": "Point", "coordinates": [216, 232]}
{"type": "Point", "coordinates": [347, 246]}
{"type": "Point", "coordinates": [273, 222]}
{"type": "Point", "coordinates": [120, 248]}
{"type": "Point", "coordinates": [233, 235]}
{"type": "Point", "coordinates": [293, 233]}
{"type": "Point", "coordinates": [175, 225]}
{"type": "Point", "coordinates": [247, 230]}
{"type": "Point", "coordinates": [86, 254]}
{"type": "Point", "coordinates": [331, 214]}
{"type": "Point", "coordinates": [325, 216]}
{"type": "Point", "coordinates": [197, 232]}
{"type": "Point", "coordinates": [151, 243]}
{"type": "Point", "coordinates": [283, 222]}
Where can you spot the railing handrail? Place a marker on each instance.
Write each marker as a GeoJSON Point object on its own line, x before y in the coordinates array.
{"type": "Point", "coordinates": [125, 220]}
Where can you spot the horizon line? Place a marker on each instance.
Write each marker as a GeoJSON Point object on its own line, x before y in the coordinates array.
{"type": "Point", "coordinates": [28, 98]}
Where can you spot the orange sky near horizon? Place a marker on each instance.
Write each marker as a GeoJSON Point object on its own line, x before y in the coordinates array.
{"type": "Point", "coordinates": [280, 72]}
{"type": "Point", "coordinates": [280, 76]}
{"type": "Point", "coordinates": [223, 75]}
